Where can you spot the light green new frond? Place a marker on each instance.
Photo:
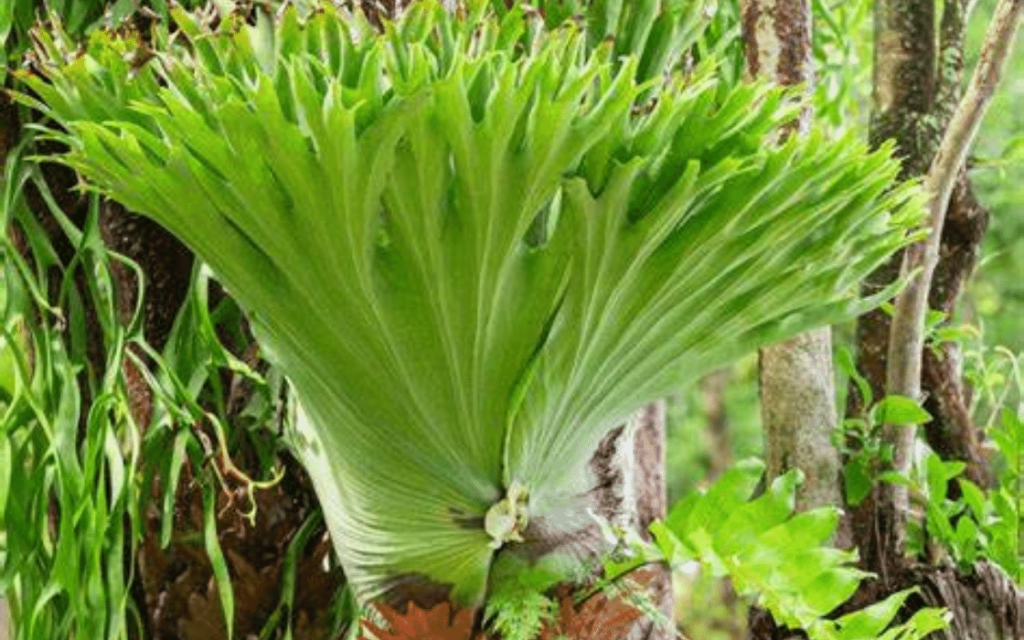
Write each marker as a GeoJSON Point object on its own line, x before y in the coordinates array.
{"type": "Point", "coordinates": [473, 246]}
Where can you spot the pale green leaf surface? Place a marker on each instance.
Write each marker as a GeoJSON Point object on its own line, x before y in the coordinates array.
{"type": "Point", "coordinates": [871, 621]}
{"type": "Point", "coordinates": [899, 410]}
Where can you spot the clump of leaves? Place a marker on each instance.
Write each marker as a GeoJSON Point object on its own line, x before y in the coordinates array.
{"type": "Point", "coordinates": [981, 523]}
{"type": "Point", "coordinates": [530, 603]}
{"type": "Point", "coordinates": [470, 250]}
{"type": "Point", "coordinates": [860, 437]}
{"type": "Point", "coordinates": [68, 503]}
{"type": "Point", "coordinates": [519, 614]}
{"type": "Point", "coordinates": [780, 558]}
{"type": "Point", "coordinates": [519, 604]}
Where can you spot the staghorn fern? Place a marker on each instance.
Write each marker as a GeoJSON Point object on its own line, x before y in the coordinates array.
{"type": "Point", "coordinates": [471, 251]}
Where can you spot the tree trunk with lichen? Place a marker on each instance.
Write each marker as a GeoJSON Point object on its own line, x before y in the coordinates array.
{"type": "Point", "coordinates": [797, 389]}
{"type": "Point", "coordinates": [915, 92]}
{"type": "Point", "coordinates": [917, 101]}
{"type": "Point", "coordinates": [916, 87]}
{"type": "Point", "coordinates": [639, 472]}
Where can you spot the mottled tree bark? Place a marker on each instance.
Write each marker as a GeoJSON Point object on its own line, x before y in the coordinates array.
{"type": "Point", "coordinates": [798, 412]}
{"type": "Point", "coordinates": [913, 104]}
{"type": "Point", "coordinates": [797, 388]}
{"type": "Point", "coordinates": [904, 81]}
{"type": "Point", "coordinates": [907, 333]}
{"type": "Point", "coordinates": [986, 605]}
{"type": "Point", "coordinates": [648, 468]}
{"type": "Point", "coordinates": [952, 434]}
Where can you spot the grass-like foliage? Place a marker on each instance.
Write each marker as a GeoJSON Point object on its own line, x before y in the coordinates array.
{"type": "Point", "coordinates": [473, 245]}
{"type": "Point", "coordinates": [68, 505]}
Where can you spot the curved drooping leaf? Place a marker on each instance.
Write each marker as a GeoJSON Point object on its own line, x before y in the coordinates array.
{"type": "Point", "coordinates": [473, 249]}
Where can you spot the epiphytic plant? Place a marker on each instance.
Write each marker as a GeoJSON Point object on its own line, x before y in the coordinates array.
{"type": "Point", "coordinates": [474, 247]}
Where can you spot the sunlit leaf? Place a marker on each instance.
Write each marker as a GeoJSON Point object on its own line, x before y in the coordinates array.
{"type": "Point", "coordinates": [899, 410]}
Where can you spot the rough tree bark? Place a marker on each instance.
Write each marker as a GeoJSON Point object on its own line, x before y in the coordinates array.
{"type": "Point", "coordinates": [629, 490]}
{"type": "Point", "coordinates": [906, 342]}
{"type": "Point", "coordinates": [647, 464]}
{"type": "Point", "coordinates": [916, 88]}
{"type": "Point", "coordinates": [913, 104]}
{"type": "Point", "coordinates": [952, 434]}
{"type": "Point", "coordinates": [915, 96]}
{"type": "Point", "coordinates": [797, 386]}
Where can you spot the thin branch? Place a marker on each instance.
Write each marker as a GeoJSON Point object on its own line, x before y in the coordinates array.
{"type": "Point", "coordinates": [906, 342]}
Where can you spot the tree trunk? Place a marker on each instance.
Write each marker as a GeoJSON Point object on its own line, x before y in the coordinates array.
{"type": "Point", "coordinates": [716, 428]}
{"type": "Point", "coordinates": [797, 387]}
{"type": "Point", "coordinates": [647, 464]}
{"type": "Point", "coordinates": [915, 105]}
{"type": "Point", "coordinates": [916, 90]}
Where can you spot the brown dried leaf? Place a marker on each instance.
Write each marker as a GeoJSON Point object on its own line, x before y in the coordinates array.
{"type": "Point", "coordinates": [599, 618]}
{"type": "Point", "coordinates": [420, 624]}
{"type": "Point", "coordinates": [205, 619]}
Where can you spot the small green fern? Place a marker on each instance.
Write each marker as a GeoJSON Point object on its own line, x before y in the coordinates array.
{"type": "Point", "coordinates": [517, 604]}
{"type": "Point", "coordinates": [519, 614]}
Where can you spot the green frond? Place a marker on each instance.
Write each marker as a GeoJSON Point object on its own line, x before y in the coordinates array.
{"type": "Point", "coordinates": [473, 246]}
